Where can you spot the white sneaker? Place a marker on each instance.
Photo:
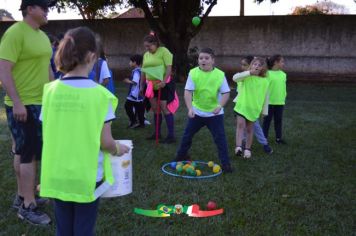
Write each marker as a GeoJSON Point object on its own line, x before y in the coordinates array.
{"type": "Point", "coordinates": [147, 122]}
{"type": "Point", "coordinates": [247, 153]}
{"type": "Point", "coordinates": [238, 151]}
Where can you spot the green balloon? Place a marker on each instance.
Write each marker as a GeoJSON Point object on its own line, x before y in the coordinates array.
{"type": "Point", "coordinates": [196, 20]}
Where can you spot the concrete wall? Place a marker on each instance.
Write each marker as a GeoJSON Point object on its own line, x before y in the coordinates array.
{"type": "Point", "coordinates": [314, 47]}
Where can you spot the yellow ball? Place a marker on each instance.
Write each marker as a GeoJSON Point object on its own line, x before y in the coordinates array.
{"type": "Point", "coordinates": [216, 169]}
{"type": "Point", "coordinates": [198, 172]}
{"type": "Point", "coordinates": [186, 166]}
{"type": "Point", "coordinates": [210, 164]}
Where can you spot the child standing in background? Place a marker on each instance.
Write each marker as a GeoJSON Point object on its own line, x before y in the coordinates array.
{"type": "Point", "coordinates": [101, 72]}
{"type": "Point", "coordinates": [277, 96]}
{"type": "Point", "coordinates": [134, 101]}
{"type": "Point", "coordinates": [206, 93]}
{"type": "Point", "coordinates": [257, 130]}
{"type": "Point", "coordinates": [77, 115]}
{"type": "Point", "coordinates": [251, 100]}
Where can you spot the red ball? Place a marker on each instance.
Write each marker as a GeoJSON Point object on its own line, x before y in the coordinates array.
{"type": "Point", "coordinates": [211, 205]}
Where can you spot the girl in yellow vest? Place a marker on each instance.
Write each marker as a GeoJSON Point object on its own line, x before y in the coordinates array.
{"type": "Point", "coordinates": [251, 100]}
{"type": "Point", "coordinates": [206, 93]}
{"type": "Point", "coordinates": [257, 130]}
{"type": "Point", "coordinates": [277, 96]}
{"type": "Point", "coordinates": [77, 136]}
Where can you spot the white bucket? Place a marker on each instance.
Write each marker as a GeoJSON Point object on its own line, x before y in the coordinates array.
{"type": "Point", "coordinates": [122, 172]}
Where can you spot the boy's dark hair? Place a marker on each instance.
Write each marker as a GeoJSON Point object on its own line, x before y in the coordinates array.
{"type": "Point", "coordinates": [100, 46]}
{"type": "Point", "coordinates": [272, 60]}
{"type": "Point", "coordinates": [137, 59]}
{"type": "Point", "coordinates": [208, 51]}
{"type": "Point", "coordinates": [74, 47]}
{"type": "Point", "coordinates": [248, 59]}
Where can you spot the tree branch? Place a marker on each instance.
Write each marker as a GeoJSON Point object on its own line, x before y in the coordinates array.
{"type": "Point", "coordinates": [197, 29]}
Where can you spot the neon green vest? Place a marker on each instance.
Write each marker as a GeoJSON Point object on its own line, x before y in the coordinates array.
{"type": "Point", "coordinates": [207, 85]}
{"type": "Point", "coordinates": [72, 123]}
{"type": "Point", "coordinates": [252, 94]}
{"type": "Point", "coordinates": [277, 87]}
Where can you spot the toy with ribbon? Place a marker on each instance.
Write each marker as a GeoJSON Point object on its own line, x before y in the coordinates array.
{"type": "Point", "coordinates": [168, 210]}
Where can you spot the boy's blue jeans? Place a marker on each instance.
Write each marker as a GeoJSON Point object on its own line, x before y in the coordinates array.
{"type": "Point", "coordinates": [257, 130]}
{"type": "Point", "coordinates": [215, 125]}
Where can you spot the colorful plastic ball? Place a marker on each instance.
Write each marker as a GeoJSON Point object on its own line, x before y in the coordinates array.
{"type": "Point", "coordinates": [211, 205]}
{"type": "Point", "coordinates": [190, 169]}
{"type": "Point", "coordinates": [185, 167]}
{"type": "Point", "coordinates": [179, 167]}
{"type": "Point", "coordinates": [194, 164]}
{"type": "Point", "coordinates": [210, 164]}
{"type": "Point", "coordinates": [196, 20]}
{"type": "Point", "coordinates": [216, 169]}
{"type": "Point", "coordinates": [198, 172]}
{"type": "Point", "coordinates": [173, 165]}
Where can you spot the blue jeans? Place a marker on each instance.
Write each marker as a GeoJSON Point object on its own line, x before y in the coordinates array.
{"type": "Point", "coordinates": [215, 125]}
{"type": "Point", "coordinates": [257, 130]}
{"type": "Point", "coordinates": [75, 219]}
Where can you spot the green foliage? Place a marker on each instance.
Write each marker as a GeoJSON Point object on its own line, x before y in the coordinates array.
{"type": "Point", "coordinates": [308, 10]}
{"type": "Point", "coordinates": [321, 8]}
{"type": "Point", "coordinates": [5, 13]}
{"type": "Point", "coordinates": [259, 1]}
{"type": "Point", "coordinates": [88, 9]}
{"type": "Point", "coordinates": [304, 188]}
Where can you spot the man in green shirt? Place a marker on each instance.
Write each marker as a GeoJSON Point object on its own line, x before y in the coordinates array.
{"type": "Point", "coordinates": [25, 53]}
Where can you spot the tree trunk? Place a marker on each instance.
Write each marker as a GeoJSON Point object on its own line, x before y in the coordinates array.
{"type": "Point", "coordinates": [178, 46]}
{"type": "Point", "coordinates": [242, 7]}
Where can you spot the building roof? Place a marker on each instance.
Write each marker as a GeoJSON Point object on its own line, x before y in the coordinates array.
{"type": "Point", "coordinates": [132, 13]}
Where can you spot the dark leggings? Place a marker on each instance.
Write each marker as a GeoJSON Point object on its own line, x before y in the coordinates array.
{"type": "Point", "coordinates": [276, 112]}
{"type": "Point", "coordinates": [139, 111]}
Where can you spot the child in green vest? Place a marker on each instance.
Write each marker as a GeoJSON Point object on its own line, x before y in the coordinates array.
{"type": "Point", "coordinates": [250, 103]}
{"type": "Point", "coordinates": [257, 130]}
{"type": "Point", "coordinates": [77, 136]}
{"type": "Point", "coordinates": [277, 99]}
{"type": "Point", "coordinates": [206, 93]}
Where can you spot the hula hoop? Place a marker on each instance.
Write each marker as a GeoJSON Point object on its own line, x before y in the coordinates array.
{"type": "Point", "coordinates": [189, 176]}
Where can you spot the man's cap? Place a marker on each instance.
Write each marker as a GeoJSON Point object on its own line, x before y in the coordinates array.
{"type": "Point", "coordinates": [41, 3]}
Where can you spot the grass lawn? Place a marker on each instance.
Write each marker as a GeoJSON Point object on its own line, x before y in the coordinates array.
{"type": "Point", "coordinates": [304, 188]}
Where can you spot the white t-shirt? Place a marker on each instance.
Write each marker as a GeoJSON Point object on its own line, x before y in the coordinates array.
{"type": "Point", "coordinates": [105, 72]}
{"type": "Point", "coordinates": [134, 94]}
{"type": "Point", "coordinates": [224, 88]}
{"type": "Point", "coordinates": [87, 83]}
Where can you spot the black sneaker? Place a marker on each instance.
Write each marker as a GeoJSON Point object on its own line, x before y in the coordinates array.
{"type": "Point", "coordinates": [267, 149]}
{"type": "Point", "coordinates": [153, 137]}
{"type": "Point", "coordinates": [238, 151]}
{"type": "Point", "coordinates": [33, 216]}
{"type": "Point", "coordinates": [183, 158]}
{"type": "Point", "coordinates": [280, 141]}
{"type": "Point", "coordinates": [18, 201]}
{"type": "Point", "coordinates": [138, 126]}
{"type": "Point", "coordinates": [132, 125]}
{"type": "Point", "coordinates": [169, 140]}
{"type": "Point", "coordinates": [227, 168]}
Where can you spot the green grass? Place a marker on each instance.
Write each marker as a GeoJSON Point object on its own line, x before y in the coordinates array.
{"type": "Point", "coordinates": [304, 188]}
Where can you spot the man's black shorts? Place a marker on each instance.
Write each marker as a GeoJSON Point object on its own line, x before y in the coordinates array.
{"type": "Point", "coordinates": [27, 135]}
